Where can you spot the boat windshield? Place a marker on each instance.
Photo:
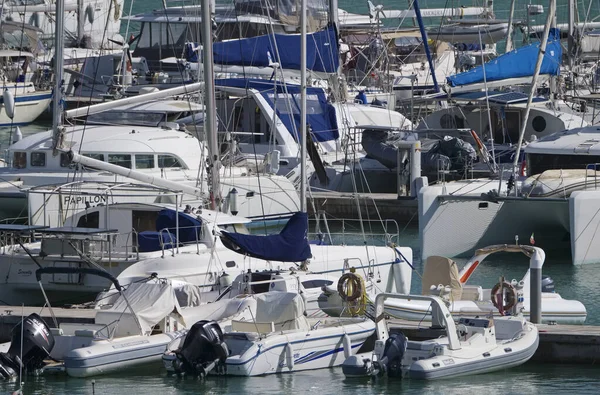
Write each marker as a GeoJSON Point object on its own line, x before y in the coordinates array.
{"type": "Point", "coordinates": [136, 118]}
{"type": "Point", "coordinates": [539, 163]}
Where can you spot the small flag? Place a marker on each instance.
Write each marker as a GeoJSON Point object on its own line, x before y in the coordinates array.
{"type": "Point", "coordinates": [531, 239]}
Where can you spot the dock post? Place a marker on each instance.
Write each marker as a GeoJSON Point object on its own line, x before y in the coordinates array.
{"type": "Point", "coordinates": [535, 291]}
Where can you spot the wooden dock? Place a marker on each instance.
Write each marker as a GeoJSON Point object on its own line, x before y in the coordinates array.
{"type": "Point", "coordinates": [574, 344]}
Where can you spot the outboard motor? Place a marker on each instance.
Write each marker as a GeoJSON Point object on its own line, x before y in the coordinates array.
{"type": "Point", "coordinates": [36, 346]}
{"type": "Point", "coordinates": [203, 349]}
{"type": "Point", "coordinates": [387, 362]}
{"type": "Point", "coordinates": [391, 360]}
{"type": "Point", "coordinates": [547, 284]}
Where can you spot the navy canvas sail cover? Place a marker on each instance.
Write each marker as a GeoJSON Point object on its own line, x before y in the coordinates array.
{"type": "Point", "coordinates": [322, 53]}
{"type": "Point", "coordinates": [290, 245]}
{"type": "Point", "coordinates": [285, 99]}
{"type": "Point", "coordinates": [514, 64]}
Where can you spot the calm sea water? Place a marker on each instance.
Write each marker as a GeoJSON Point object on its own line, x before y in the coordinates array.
{"type": "Point", "coordinates": [571, 282]}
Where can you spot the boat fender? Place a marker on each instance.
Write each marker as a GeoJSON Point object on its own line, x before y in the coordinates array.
{"type": "Point", "coordinates": [347, 346]}
{"type": "Point", "coordinates": [289, 353]}
{"type": "Point", "coordinates": [89, 13]}
{"type": "Point", "coordinates": [9, 103]}
{"type": "Point", "coordinates": [504, 302]}
{"type": "Point", "coordinates": [349, 287]}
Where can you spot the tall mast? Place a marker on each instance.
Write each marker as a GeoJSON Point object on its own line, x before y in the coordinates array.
{"type": "Point", "coordinates": [510, 27]}
{"type": "Point", "coordinates": [210, 125]}
{"type": "Point", "coordinates": [571, 34]}
{"type": "Point", "coordinates": [303, 131]}
{"type": "Point", "coordinates": [536, 73]}
{"type": "Point", "coordinates": [59, 44]}
{"type": "Point", "coordinates": [424, 38]}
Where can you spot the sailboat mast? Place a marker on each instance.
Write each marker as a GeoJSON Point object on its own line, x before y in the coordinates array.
{"type": "Point", "coordinates": [210, 126]}
{"type": "Point", "coordinates": [509, 41]}
{"type": "Point", "coordinates": [536, 73]}
{"type": "Point", "coordinates": [59, 44]}
{"type": "Point", "coordinates": [303, 131]}
{"type": "Point", "coordinates": [424, 38]}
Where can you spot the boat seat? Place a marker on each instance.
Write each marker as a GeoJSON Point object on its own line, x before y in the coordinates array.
{"type": "Point", "coordinates": [472, 292]}
{"type": "Point", "coordinates": [441, 270]}
{"type": "Point", "coordinates": [426, 345]}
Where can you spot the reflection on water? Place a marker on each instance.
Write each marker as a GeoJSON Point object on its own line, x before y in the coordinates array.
{"type": "Point", "coordinates": [528, 379]}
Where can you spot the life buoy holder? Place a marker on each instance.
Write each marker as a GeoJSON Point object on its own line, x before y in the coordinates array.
{"type": "Point", "coordinates": [350, 287]}
{"type": "Point", "coordinates": [504, 301]}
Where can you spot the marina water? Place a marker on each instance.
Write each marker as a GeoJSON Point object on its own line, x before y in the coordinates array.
{"type": "Point", "coordinates": [571, 282]}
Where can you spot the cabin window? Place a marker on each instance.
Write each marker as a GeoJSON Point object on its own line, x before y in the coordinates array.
{"type": "Point", "coordinates": [539, 124]}
{"type": "Point", "coordinates": [89, 220]}
{"type": "Point", "coordinates": [20, 160]}
{"type": "Point", "coordinates": [144, 161]}
{"type": "Point", "coordinates": [38, 159]}
{"type": "Point", "coordinates": [316, 283]}
{"type": "Point", "coordinates": [144, 40]}
{"type": "Point", "coordinates": [447, 122]}
{"type": "Point", "coordinates": [64, 160]}
{"type": "Point", "coordinates": [168, 161]}
{"type": "Point", "coordinates": [123, 160]}
{"type": "Point", "coordinates": [539, 163]}
{"type": "Point", "coordinates": [94, 156]}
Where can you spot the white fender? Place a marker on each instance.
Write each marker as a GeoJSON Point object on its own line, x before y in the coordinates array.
{"type": "Point", "coordinates": [89, 13]}
{"type": "Point", "coordinates": [9, 103]}
{"type": "Point", "coordinates": [289, 356]}
{"type": "Point", "coordinates": [34, 19]}
{"type": "Point", "coordinates": [347, 346]}
{"type": "Point", "coordinates": [18, 135]}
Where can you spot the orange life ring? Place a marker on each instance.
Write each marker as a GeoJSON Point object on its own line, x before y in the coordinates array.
{"type": "Point", "coordinates": [509, 297]}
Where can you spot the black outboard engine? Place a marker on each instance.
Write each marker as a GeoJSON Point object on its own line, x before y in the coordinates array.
{"type": "Point", "coordinates": [37, 344]}
{"type": "Point", "coordinates": [391, 361]}
{"type": "Point", "coordinates": [547, 284]}
{"type": "Point", "coordinates": [202, 351]}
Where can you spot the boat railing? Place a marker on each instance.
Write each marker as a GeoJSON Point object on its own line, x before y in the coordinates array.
{"type": "Point", "coordinates": [350, 231]}
{"type": "Point", "coordinates": [593, 174]}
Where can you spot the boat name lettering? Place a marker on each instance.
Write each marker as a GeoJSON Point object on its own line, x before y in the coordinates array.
{"type": "Point", "coordinates": [24, 272]}
{"type": "Point", "coordinates": [85, 199]}
{"type": "Point", "coordinates": [137, 343]}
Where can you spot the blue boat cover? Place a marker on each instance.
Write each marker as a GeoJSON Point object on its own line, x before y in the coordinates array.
{"type": "Point", "coordinates": [320, 114]}
{"type": "Point", "coordinates": [290, 245]}
{"type": "Point", "coordinates": [514, 64]}
{"type": "Point", "coordinates": [322, 53]}
{"type": "Point", "coordinates": [149, 241]}
{"type": "Point", "coordinates": [189, 227]}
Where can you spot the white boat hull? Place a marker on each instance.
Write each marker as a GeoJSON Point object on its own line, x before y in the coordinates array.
{"type": "Point", "coordinates": [554, 310]}
{"type": "Point", "coordinates": [500, 356]}
{"type": "Point", "coordinates": [28, 107]}
{"type": "Point", "coordinates": [103, 356]}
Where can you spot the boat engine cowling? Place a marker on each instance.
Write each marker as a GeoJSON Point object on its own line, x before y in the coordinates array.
{"type": "Point", "coordinates": [547, 284]}
{"type": "Point", "coordinates": [30, 354]}
{"type": "Point", "coordinates": [390, 363]}
{"type": "Point", "coordinates": [202, 351]}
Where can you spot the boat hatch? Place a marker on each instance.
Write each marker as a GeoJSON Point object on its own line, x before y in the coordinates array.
{"type": "Point", "coordinates": [586, 146]}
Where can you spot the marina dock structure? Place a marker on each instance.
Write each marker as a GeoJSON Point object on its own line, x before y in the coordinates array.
{"type": "Point", "coordinates": [570, 344]}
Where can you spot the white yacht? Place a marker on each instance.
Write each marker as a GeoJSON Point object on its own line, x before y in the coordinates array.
{"type": "Point", "coordinates": [159, 150]}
